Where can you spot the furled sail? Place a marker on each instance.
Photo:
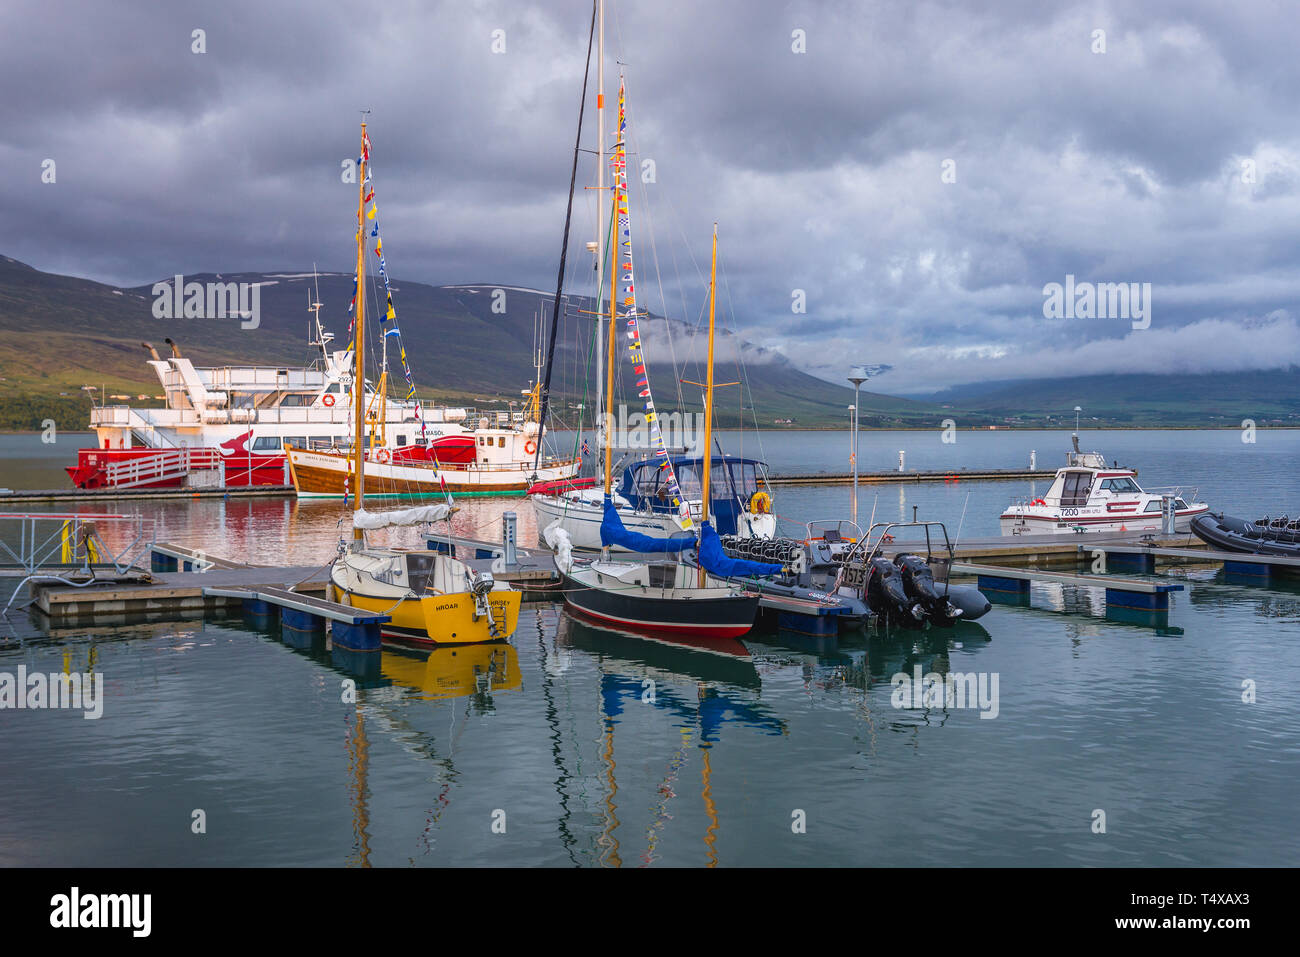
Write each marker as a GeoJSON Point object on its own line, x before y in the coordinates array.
{"type": "Point", "coordinates": [420, 515]}
{"type": "Point", "coordinates": [715, 561]}
{"type": "Point", "coordinates": [613, 532]}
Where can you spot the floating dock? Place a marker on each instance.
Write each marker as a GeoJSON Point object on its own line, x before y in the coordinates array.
{"type": "Point", "coordinates": [1050, 550]}
{"type": "Point", "coordinates": [1132, 593]}
{"type": "Point", "coordinates": [913, 475]}
{"type": "Point", "coordinates": [46, 496]}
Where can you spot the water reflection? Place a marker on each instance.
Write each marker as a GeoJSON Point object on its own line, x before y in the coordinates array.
{"type": "Point", "coordinates": [701, 687]}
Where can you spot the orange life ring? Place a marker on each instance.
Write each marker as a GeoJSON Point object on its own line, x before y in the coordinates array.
{"type": "Point", "coordinates": [327, 399]}
{"type": "Point", "coordinates": [383, 456]}
{"type": "Point", "coordinates": [530, 447]}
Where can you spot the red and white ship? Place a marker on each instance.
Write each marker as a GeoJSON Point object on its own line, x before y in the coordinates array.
{"type": "Point", "coordinates": [227, 426]}
{"type": "Point", "coordinates": [1089, 496]}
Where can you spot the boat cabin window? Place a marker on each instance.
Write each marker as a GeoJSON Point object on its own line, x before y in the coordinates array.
{"type": "Point", "coordinates": [333, 389]}
{"type": "Point", "coordinates": [419, 571]}
{"type": "Point", "coordinates": [741, 483]}
{"type": "Point", "coordinates": [1155, 505]}
{"type": "Point", "coordinates": [650, 481]}
{"type": "Point", "coordinates": [297, 441]}
{"type": "Point", "coordinates": [294, 399]}
{"type": "Point", "coordinates": [266, 443]}
{"type": "Point", "coordinates": [501, 442]}
{"type": "Point", "coordinates": [688, 479]}
{"type": "Point", "coordinates": [661, 575]}
{"type": "Point", "coordinates": [1076, 490]}
{"type": "Point", "coordinates": [1125, 485]}
{"type": "Point", "coordinates": [401, 440]}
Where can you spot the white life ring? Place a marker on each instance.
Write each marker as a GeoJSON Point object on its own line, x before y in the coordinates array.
{"type": "Point", "coordinates": [383, 456]}
{"type": "Point", "coordinates": [327, 399]}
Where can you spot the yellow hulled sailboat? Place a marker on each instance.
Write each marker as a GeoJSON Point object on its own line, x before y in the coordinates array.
{"type": "Point", "coordinates": [430, 597]}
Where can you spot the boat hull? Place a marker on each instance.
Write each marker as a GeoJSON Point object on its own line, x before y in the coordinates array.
{"type": "Point", "coordinates": [1041, 522]}
{"type": "Point", "coordinates": [329, 475]}
{"type": "Point", "coordinates": [1238, 535]}
{"type": "Point", "coordinates": [437, 619]}
{"type": "Point", "coordinates": [722, 618]}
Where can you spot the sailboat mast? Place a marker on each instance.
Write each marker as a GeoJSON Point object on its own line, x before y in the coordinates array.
{"type": "Point", "coordinates": [600, 214]}
{"type": "Point", "coordinates": [609, 372]}
{"type": "Point", "coordinates": [708, 389]}
{"type": "Point", "coordinates": [359, 340]}
{"type": "Point", "coordinates": [708, 395]}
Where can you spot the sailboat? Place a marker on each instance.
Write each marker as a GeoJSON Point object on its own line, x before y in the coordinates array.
{"type": "Point", "coordinates": [666, 596]}
{"type": "Point", "coordinates": [431, 598]}
{"type": "Point", "coordinates": [502, 455]}
{"type": "Point", "coordinates": [742, 503]}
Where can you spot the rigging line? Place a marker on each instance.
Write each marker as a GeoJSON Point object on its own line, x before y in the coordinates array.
{"type": "Point", "coordinates": [545, 397]}
{"type": "Point", "coordinates": [663, 303]}
{"type": "Point", "coordinates": [741, 369]}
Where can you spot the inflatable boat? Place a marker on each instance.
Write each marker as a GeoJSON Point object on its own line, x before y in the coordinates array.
{"type": "Point", "coordinates": [1265, 536]}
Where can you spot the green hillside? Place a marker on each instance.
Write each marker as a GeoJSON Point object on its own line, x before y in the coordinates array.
{"type": "Point", "coordinates": [58, 333]}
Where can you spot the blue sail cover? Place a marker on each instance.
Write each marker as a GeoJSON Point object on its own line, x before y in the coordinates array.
{"type": "Point", "coordinates": [715, 561]}
{"type": "Point", "coordinates": [613, 532]}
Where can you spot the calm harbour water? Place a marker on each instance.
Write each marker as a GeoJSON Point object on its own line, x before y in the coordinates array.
{"type": "Point", "coordinates": [565, 744]}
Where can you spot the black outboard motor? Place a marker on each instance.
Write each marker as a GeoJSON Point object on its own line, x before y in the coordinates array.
{"type": "Point", "coordinates": [887, 595]}
{"type": "Point", "coordinates": [919, 583]}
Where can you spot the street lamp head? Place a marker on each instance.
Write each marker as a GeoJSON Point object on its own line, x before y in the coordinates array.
{"type": "Point", "coordinates": [858, 375]}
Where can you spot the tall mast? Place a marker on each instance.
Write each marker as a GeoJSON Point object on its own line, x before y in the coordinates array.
{"type": "Point", "coordinates": [609, 372]}
{"type": "Point", "coordinates": [600, 215]}
{"type": "Point", "coordinates": [359, 340]}
{"type": "Point", "coordinates": [708, 391]}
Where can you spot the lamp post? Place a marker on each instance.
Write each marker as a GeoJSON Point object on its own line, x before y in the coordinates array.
{"type": "Point", "coordinates": [857, 375]}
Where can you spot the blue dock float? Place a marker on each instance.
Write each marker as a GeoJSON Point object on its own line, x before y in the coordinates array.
{"type": "Point", "coordinates": [1121, 593]}
{"type": "Point", "coordinates": [1256, 568]}
{"type": "Point", "coordinates": [352, 628]}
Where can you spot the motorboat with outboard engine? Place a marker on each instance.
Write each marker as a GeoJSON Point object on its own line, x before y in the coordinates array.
{"type": "Point", "coordinates": [836, 564]}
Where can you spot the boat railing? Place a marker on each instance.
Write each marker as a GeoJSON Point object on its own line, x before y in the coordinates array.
{"type": "Point", "coordinates": [863, 553]}
{"type": "Point", "coordinates": [1186, 493]}
{"type": "Point", "coordinates": [838, 528]}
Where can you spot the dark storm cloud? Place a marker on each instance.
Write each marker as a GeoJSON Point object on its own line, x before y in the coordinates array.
{"type": "Point", "coordinates": [823, 168]}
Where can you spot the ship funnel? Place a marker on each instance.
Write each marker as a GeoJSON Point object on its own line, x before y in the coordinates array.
{"type": "Point", "coordinates": [152, 351]}
{"type": "Point", "coordinates": [176, 352]}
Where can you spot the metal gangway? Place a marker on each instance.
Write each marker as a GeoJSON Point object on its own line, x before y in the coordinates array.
{"type": "Point", "coordinates": [166, 465]}
{"type": "Point", "coordinates": [70, 546]}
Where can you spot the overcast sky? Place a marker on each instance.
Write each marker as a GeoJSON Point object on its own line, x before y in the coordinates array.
{"type": "Point", "coordinates": [1172, 158]}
